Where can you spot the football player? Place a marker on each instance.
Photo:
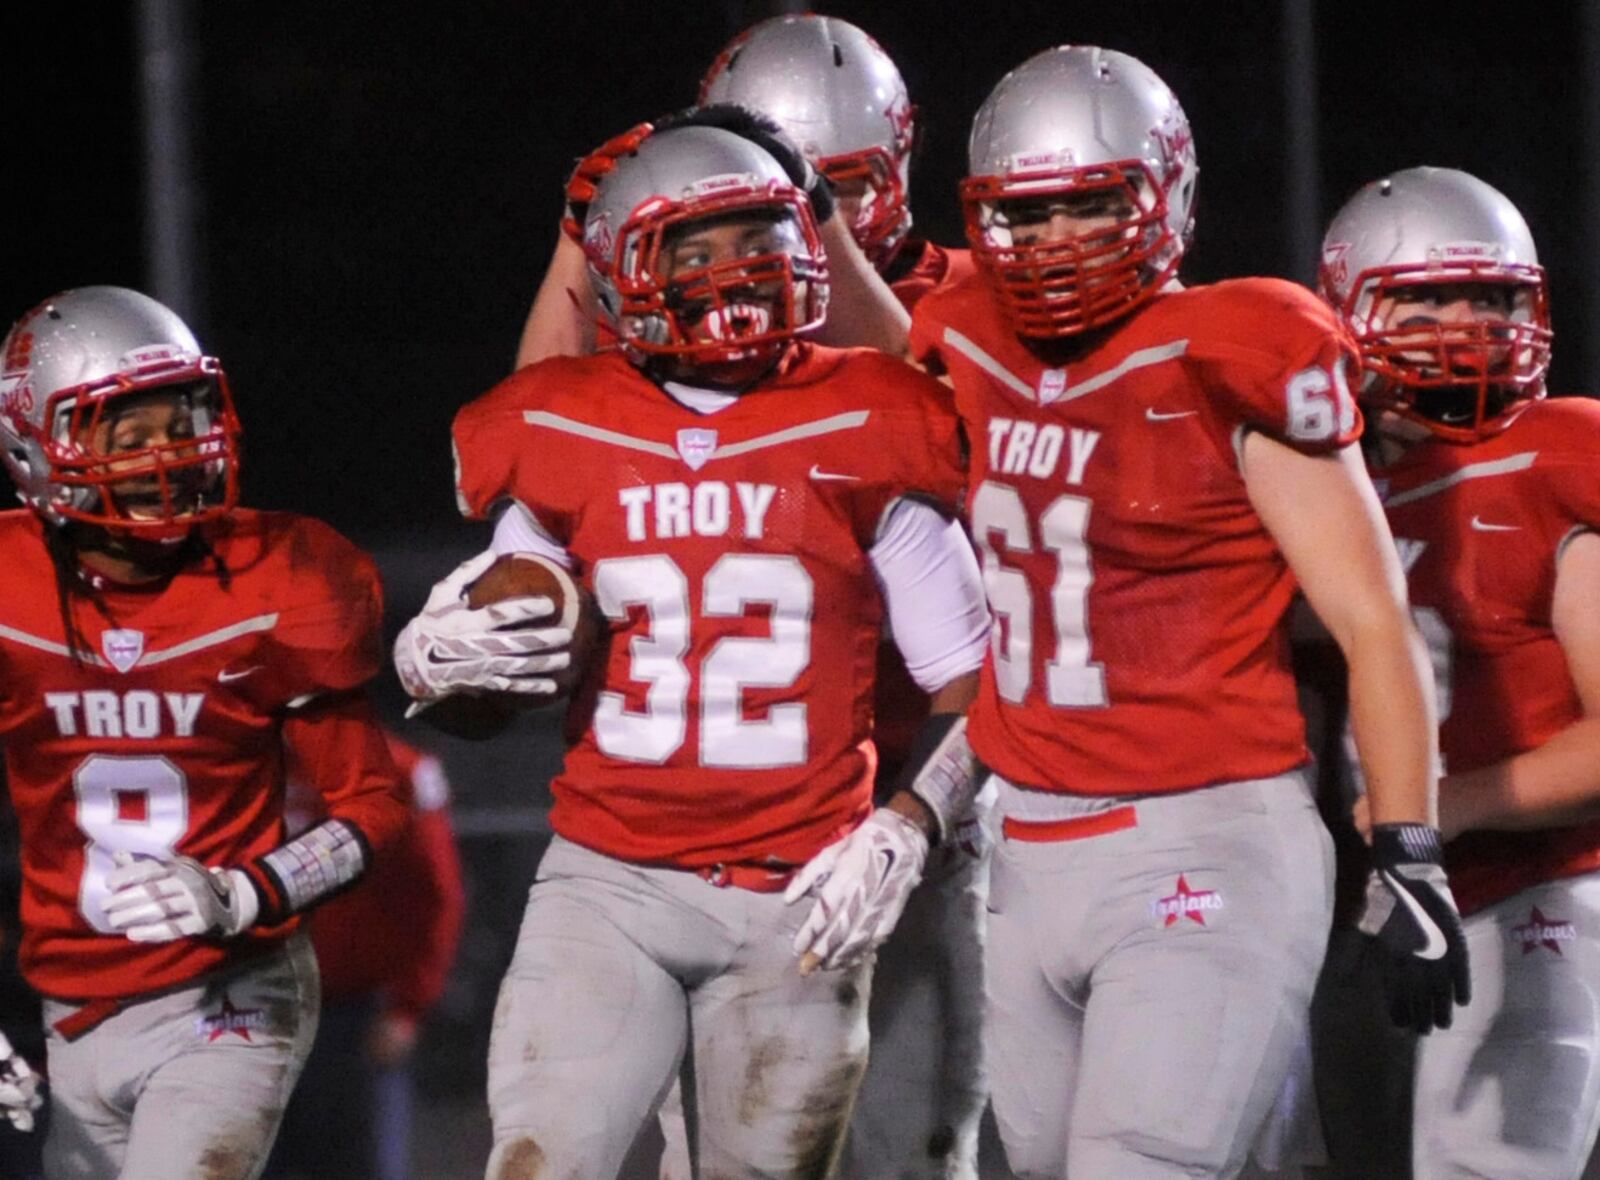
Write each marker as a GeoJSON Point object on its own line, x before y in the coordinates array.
{"type": "Point", "coordinates": [744, 508]}
{"type": "Point", "coordinates": [160, 649]}
{"type": "Point", "coordinates": [841, 99]}
{"type": "Point", "coordinates": [1154, 469]}
{"type": "Point", "coordinates": [1493, 495]}
{"type": "Point", "coordinates": [565, 314]}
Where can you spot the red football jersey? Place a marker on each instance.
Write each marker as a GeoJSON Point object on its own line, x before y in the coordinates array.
{"type": "Point", "coordinates": [923, 266]}
{"type": "Point", "coordinates": [728, 719]}
{"type": "Point", "coordinates": [1479, 529]}
{"type": "Point", "coordinates": [1139, 601]}
{"type": "Point", "coordinates": [167, 733]}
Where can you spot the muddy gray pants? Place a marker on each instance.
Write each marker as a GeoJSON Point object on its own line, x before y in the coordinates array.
{"type": "Point", "coordinates": [618, 969]}
{"type": "Point", "coordinates": [187, 1085]}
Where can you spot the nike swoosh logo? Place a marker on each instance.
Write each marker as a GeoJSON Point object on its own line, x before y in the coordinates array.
{"type": "Point", "coordinates": [1156, 416]}
{"type": "Point", "coordinates": [1483, 526]}
{"type": "Point", "coordinates": [818, 473]}
{"type": "Point", "coordinates": [1435, 947]}
{"type": "Point", "coordinates": [227, 677]}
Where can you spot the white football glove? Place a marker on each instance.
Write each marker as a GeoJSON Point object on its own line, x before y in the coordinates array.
{"type": "Point", "coordinates": [861, 884]}
{"type": "Point", "coordinates": [451, 648]}
{"type": "Point", "coordinates": [154, 900]}
{"type": "Point", "coordinates": [19, 1087]}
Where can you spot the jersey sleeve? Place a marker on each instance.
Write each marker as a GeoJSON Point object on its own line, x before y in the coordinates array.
{"type": "Point", "coordinates": [329, 636]}
{"type": "Point", "coordinates": [497, 459]}
{"type": "Point", "coordinates": [1273, 358]}
{"type": "Point", "coordinates": [918, 447]}
{"type": "Point", "coordinates": [1575, 466]}
{"type": "Point", "coordinates": [339, 752]}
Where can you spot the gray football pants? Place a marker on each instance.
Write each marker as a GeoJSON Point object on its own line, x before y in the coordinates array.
{"type": "Point", "coordinates": [617, 969]}
{"type": "Point", "coordinates": [187, 1085]}
{"type": "Point", "coordinates": [1511, 1090]}
{"type": "Point", "coordinates": [1148, 985]}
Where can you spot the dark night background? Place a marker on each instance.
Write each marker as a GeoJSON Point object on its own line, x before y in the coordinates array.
{"type": "Point", "coordinates": [375, 190]}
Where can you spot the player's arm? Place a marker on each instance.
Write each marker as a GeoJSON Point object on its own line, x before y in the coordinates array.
{"type": "Point", "coordinates": [863, 311]}
{"type": "Point", "coordinates": [933, 591]}
{"type": "Point", "coordinates": [1325, 517]}
{"type": "Point", "coordinates": [467, 670]}
{"type": "Point", "coordinates": [336, 742]}
{"type": "Point", "coordinates": [565, 311]}
{"type": "Point", "coordinates": [1559, 782]}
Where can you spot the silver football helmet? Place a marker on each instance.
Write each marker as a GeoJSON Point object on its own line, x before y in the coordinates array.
{"type": "Point", "coordinates": [1079, 127]}
{"type": "Point", "coordinates": [69, 367]}
{"type": "Point", "coordinates": [838, 95]}
{"type": "Point", "coordinates": [664, 301]}
{"type": "Point", "coordinates": [1429, 240]}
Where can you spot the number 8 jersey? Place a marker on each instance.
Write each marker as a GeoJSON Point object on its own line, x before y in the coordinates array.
{"type": "Point", "coordinates": [159, 728]}
{"type": "Point", "coordinates": [728, 719]}
{"type": "Point", "coordinates": [1138, 599]}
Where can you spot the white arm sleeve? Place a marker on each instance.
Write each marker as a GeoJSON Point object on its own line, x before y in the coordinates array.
{"type": "Point", "coordinates": [518, 532]}
{"type": "Point", "coordinates": [933, 589]}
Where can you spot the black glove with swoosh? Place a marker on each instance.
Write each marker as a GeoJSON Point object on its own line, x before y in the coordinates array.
{"type": "Point", "coordinates": [1413, 918]}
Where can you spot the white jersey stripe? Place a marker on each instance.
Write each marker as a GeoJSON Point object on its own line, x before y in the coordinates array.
{"type": "Point", "coordinates": [49, 645]}
{"type": "Point", "coordinates": [209, 639]}
{"type": "Point", "coordinates": [597, 433]}
{"type": "Point", "coordinates": [987, 363]}
{"type": "Point", "coordinates": [188, 646]}
{"type": "Point", "coordinates": [849, 421]}
{"type": "Point", "coordinates": [1145, 357]}
{"type": "Point", "coordinates": [1519, 462]}
{"type": "Point", "coordinates": [1154, 355]}
{"type": "Point", "coordinates": [831, 425]}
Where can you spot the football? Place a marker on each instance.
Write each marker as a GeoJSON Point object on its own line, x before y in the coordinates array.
{"type": "Point", "coordinates": [523, 575]}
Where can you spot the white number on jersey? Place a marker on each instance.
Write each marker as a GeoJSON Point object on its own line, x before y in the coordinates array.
{"type": "Point", "coordinates": [727, 737]}
{"type": "Point", "coordinates": [1320, 406]}
{"type": "Point", "coordinates": [1072, 679]}
{"type": "Point", "coordinates": [138, 805]}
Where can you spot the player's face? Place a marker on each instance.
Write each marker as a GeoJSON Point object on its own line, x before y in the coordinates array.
{"type": "Point", "coordinates": [1423, 307]}
{"type": "Point", "coordinates": [1066, 217]}
{"type": "Point", "coordinates": [132, 425]}
{"type": "Point", "coordinates": [1425, 304]}
{"type": "Point", "coordinates": [715, 247]}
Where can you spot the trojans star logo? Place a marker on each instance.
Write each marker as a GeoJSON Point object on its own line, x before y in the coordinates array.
{"type": "Point", "coordinates": [1184, 902]}
{"type": "Point", "coordinates": [229, 1019]}
{"type": "Point", "coordinates": [1540, 931]}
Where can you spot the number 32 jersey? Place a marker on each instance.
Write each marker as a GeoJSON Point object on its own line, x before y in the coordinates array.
{"type": "Point", "coordinates": [1138, 599]}
{"type": "Point", "coordinates": [166, 735]}
{"type": "Point", "coordinates": [728, 720]}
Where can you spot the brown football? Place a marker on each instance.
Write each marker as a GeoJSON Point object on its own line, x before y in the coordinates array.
{"type": "Point", "coordinates": [518, 575]}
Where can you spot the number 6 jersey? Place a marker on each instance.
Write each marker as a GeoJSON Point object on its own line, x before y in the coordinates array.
{"type": "Point", "coordinates": [1138, 598]}
{"type": "Point", "coordinates": [728, 720]}
{"type": "Point", "coordinates": [164, 734]}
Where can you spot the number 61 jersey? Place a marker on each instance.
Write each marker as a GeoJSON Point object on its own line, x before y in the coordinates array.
{"type": "Point", "coordinates": [1138, 598]}
{"type": "Point", "coordinates": [164, 734]}
{"type": "Point", "coordinates": [728, 720]}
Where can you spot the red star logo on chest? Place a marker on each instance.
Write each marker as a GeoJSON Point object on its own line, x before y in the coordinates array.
{"type": "Point", "coordinates": [1184, 902]}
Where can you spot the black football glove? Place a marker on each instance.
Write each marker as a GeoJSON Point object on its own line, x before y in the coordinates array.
{"type": "Point", "coordinates": [1413, 919]}
{"type": "Point", "coordinates": [766, 133]}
